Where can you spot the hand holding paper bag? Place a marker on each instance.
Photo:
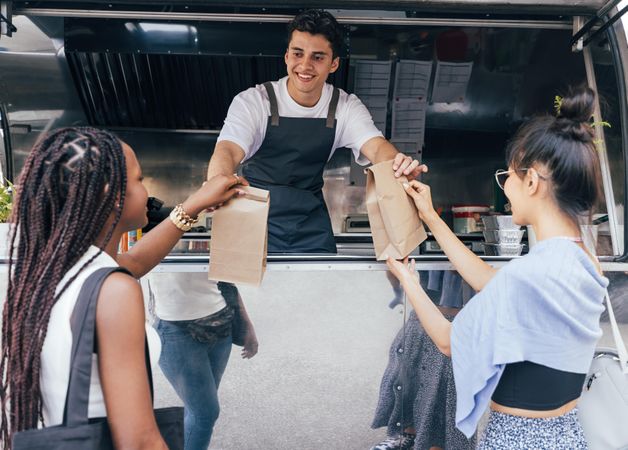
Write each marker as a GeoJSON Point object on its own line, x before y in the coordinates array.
{"type": "Point", "coordinates": [239, 238]}
{"type": "Point", "coordinates": [422, 196]}
{"type": "Point", "coordinates": [394, 220]}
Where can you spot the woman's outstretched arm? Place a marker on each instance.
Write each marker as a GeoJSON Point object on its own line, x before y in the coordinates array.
{"type": "Point", "coordinates": [473, 269]}
{"type": "Point", "coordinates": [155, 245]}
{"type": "Point", "coordinates": [435, 324]}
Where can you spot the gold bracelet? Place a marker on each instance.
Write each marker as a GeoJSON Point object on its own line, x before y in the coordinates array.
{"type": "Point", "coordinates": [181, 219]}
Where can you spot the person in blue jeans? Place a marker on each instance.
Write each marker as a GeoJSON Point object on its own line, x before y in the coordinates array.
{"type": "Point", "coordinates": [195, 332]}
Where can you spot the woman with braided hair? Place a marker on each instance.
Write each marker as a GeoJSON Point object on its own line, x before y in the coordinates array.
{"type": "Point", "coordinates": [79, 191]}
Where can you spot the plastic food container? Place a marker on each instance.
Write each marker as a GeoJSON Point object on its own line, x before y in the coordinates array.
{"type": "Point", "coordinates": [503, 236]}
{"type": "Point", "coordinates": [467, 218]}
{"type": "Point", "coordinates": [499, 223]}
{"type": "Point", "coordinates": [502, 249]}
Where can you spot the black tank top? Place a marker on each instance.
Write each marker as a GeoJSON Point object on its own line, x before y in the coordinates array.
{"type": "Point", "coordinates": [527, 385]}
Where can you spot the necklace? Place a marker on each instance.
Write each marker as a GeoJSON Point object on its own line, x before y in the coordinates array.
{"type": "Point", "coordinates": [570, 238]}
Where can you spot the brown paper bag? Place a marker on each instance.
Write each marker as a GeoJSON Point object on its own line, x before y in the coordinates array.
{"type": "Point", "coordinates": [239, 238]}
{"type": "Point", "coordinates": [394, 220]}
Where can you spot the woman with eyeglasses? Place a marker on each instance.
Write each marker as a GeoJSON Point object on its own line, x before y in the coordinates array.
{"type": "Point", "coordinates": [524, 343]}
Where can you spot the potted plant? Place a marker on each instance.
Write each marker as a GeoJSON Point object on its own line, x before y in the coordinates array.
{"type": "Point", "coordinates": [6, 205]}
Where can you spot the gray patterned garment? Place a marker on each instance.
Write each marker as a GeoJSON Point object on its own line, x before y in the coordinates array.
{"type": "Point", "coordinates": [506, 432]}
{"type": "Point", "coordinates": [427, 398]}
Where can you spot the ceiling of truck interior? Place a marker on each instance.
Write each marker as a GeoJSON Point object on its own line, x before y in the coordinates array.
{"type": "Point", "coordinates": [559, 6]}
{"type": "Point", "coordinates": [184, 74]}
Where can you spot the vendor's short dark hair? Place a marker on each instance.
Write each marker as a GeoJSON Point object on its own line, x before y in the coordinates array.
{"type": "Point", "coordinates": [317, 21]}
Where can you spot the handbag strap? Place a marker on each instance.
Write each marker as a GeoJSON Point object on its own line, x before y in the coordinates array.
{"type": "Point", "coordinates": [83, 326]}
{"type": "Point", "coordinates": [619, 342]}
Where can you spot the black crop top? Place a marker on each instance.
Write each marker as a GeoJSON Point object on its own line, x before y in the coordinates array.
{"type": "Point", "coordinates": [527, 385]}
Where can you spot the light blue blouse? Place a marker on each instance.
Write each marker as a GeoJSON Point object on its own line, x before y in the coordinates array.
{"type": "Point", "coordinates": [544, 308]}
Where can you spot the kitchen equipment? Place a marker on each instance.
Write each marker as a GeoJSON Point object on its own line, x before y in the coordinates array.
{"type": "Point", "coordinates": [502, 249]}
{"type": "Point", "coordinates": [505, 236]}
{"type": "Point", "coordinates": [502, 222]}
{"type": "Point", "coordinates": [357, 223]}
{"type": "Point", "coordinates": [467, 218]}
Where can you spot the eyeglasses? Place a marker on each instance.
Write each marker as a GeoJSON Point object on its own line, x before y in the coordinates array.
{"type": "Point", "coordinates": [502, 175]}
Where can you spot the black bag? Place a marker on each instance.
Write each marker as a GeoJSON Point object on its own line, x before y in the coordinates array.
{"type": "Point", "coordinates": [238, 326]}
{"type": "Point", "coordinates": [77, 432]}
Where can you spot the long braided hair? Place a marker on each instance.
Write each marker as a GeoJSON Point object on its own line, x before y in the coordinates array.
{"type": "Point", "coordinates": [68, 189]}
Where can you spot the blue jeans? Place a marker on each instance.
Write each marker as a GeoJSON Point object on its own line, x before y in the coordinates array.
{"type": "Point", "coordinates": [194, 369]}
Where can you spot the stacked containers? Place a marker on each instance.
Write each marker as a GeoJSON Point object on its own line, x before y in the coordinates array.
{"type": "Point", "coordinates": [502, 236]}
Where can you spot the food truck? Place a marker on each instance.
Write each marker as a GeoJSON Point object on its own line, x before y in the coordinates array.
{"type": "Point", "coordinates": [446, 81]}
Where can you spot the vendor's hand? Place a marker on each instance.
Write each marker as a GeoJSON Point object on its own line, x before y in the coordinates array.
{"type": "Point", "coordinates": [405, 165]}
{"type": "Point", "coordinates": [401, 271]}
{"type": "Point", "coordinates": [422, 197]}
{"type": "Point", "coordinates": [214, 193]}
{"type": "Point", "coordinates": [249, 349]}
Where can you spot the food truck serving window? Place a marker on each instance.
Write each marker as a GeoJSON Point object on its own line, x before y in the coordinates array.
{"type": "Point", "coordinates": [448, 90]}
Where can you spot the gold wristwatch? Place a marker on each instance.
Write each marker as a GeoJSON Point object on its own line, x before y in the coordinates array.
{"type": "Point", "coordinates": [181, 219]}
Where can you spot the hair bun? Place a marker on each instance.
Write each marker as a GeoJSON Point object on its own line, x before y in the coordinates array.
{"type": "Point", "coordinates": [577, 105]}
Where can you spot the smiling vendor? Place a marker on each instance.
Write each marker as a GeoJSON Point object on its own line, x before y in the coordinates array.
{"type": "Point", "coordinates": [284, 132]}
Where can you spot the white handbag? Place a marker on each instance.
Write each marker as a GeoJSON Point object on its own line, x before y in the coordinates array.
{"type": "Point", "coordinates": [603, 406]}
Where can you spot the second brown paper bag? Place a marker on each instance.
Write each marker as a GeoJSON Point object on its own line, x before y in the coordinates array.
{"type": "Point", "coordinates": [239, 238]}
{"type": "Point", "coordinates": [394, 220]}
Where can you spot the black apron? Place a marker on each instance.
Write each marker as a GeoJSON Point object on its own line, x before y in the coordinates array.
{"type": "Point", "coordinates": [290, 165]}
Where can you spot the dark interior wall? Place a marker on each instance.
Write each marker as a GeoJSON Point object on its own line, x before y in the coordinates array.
{"type": "Point", "coordinates": [516, 74]}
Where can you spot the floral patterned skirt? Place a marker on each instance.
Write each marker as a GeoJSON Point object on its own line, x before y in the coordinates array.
{"type": "Point", "coordinates": [507, 432]}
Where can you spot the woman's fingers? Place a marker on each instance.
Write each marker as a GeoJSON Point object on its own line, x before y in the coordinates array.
{"type": "Point", "coordinates": [411, 191]}
{"type": "Point", "coordinates": [395, 266]}
{"type": "Point", "coordinates": [249, 350]}
{"type": "Point", "coordinates": [418, 186]}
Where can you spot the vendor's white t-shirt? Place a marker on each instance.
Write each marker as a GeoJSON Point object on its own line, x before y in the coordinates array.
{"type": "Point", "coordinates": [185, 296]}
{"type": "Point", "coordinates": [248, 114]}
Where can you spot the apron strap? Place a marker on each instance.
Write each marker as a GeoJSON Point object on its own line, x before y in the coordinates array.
{"type": "Point", "coordinates": [274, 110]}
{"type": "Point", "coordinates": [331, 112]}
